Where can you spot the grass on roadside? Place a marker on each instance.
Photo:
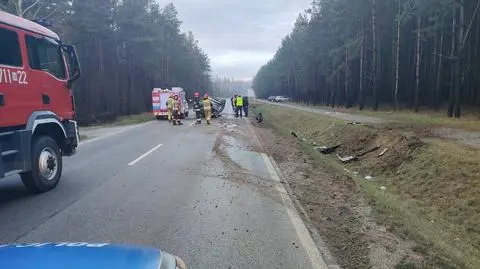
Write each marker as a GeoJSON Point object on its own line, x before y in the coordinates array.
{"type": "Point", "coordinates": [432, 185]}
{"type": "Point", "coordinates": [126, 120]}
{"type": "Point", "coordinates": [134, 119]}
{"type": "Point", "coordinates": [470, 121]}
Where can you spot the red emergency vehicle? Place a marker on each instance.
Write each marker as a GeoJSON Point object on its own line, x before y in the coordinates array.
{"type": "Point", "coordinates": [183, 101]}
{"type": "Point", "coordinates": [159, 102]}
{"type": "Point", "coordinates": [37, 108]}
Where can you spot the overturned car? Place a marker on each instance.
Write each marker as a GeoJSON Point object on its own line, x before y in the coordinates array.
{"type": "Point", "coordinates": [218, 105]}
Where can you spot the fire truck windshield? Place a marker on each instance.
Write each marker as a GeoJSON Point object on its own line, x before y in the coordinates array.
{"type": "Point", "coordinates": [45, 54]}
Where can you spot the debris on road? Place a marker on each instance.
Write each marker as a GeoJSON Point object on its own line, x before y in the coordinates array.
{"type": "Point", "coordinates": [259, 118]}
{"type": "Point", "coordinates": [382, 153]}
{"type": "Point", "coordinates": [347, 159]}
{"type": "Point", "coordinates": [357, 123]}
{"type": "Point", "coordinates": [327, 150]}
{"type": "Point", "coordinates": [368, 151]}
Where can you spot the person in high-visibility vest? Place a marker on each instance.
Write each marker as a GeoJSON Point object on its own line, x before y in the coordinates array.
{"type": "Point", "coordinates": [170, 108]}
{"type": "Point", "coordinates": [207, 108]}
{"type": "Point", "coordinates": [239, 106]}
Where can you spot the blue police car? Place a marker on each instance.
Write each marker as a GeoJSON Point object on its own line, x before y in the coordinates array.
{"type": "Point", "coordinates": [85, 256]}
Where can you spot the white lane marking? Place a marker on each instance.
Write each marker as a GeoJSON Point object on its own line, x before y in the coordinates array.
{"type": "Point", "coordinates": [314, 255]}
{"type": "Point", "coordinates": [145, 154]}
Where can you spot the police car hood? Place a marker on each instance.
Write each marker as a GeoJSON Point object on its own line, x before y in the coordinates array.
{"type": "Point", "coordinates": [82, 256]}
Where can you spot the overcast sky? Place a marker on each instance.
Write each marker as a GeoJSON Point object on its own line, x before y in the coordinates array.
{"type": "Point", "coordinates": [239, 35]}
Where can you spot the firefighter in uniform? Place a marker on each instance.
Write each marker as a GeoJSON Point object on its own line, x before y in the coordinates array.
{"type": "Point", "coordinates": [176, 110]}
{"type": "Point", "coordinates": [170, 108]}
{"type": "Point", "coordinates": [207, 108]}
{"type": "Point", "coordinates": [197, 107]}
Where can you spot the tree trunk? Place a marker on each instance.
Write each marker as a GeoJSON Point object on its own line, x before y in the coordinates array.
{"type": "Point", "coordinates": [417, 64]}
{"type": "Point", "coordinates": [439, 82]}
{"type": "Point", "coordinates": [100, 55]}
{"type": "Point", "coordinates": [347, 94]}
{"type": "Point", "coordinates": [432, 75]}
{"type": "Point", "coordinates": [295, 85]}
{"type": "Point", "coordinates": [131, 83]}
{"type": "Point", "coordinates": [332, 91]}
{"type": "Point", "coordinates": [460, 74]}
{"type": "Point", "coordinates": [19, 8]}
{"type": "Point", "coordinates": [117, 82]}
{"type": "Point", "coordinates": [374, 60]}
{"type": "Point", "coordinates": [410, 74]}
{"type": "Point", "coordinates": [453, 54]}
{"type": "Point", "coordinates": [314, 84]}
{"type": "Point", "coordinates": [397, 59]}
{"type": "Point", "coordinates": [477, 61]}
{"type": "Point", "coordinates": [361, 94]}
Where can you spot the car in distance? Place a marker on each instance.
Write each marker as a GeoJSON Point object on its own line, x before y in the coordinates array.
{"type": "Point", "coordinates": [281, 99]}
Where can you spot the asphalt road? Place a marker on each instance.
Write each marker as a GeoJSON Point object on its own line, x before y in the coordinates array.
{"type": "Point", "coordinates": [329, 113]}
{"type": "Point", "coordinates": [204, 193]}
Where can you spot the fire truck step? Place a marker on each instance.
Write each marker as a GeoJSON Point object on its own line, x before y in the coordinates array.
{"type": "Point", "coordinates": [6, 133]}
{"type": "Point", "coordinates": [9, 152]}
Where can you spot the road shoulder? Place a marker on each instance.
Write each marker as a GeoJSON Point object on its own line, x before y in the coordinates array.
{"type": "Point", "coordinates": [376, 220]}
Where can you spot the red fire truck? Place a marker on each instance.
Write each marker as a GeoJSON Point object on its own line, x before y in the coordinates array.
{"type": "Point", "coordinates": [37, 108]}
{"type": "Point", "coordinates": [159, 102]}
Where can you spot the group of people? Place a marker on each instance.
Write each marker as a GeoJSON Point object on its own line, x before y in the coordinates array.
{"type": "Point", "coordinates": [197, 107]}
{"type": "Point", "coordinates": [174, 108]}
{"type": "Point", "coordinates": [240, 105]}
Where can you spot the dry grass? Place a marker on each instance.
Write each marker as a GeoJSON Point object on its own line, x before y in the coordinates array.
{"type": "Point", "coordinates": [433, 185]}
{"type": "Point", "coordinates": [470, 121]}
{"type": "Point", "coordinates": [134, 119]}
{"type": "Point", "coordinates": [125, 120]}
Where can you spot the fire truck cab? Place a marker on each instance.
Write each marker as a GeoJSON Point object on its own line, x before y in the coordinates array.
{"type": "Point", "coordinates": [37, 107]}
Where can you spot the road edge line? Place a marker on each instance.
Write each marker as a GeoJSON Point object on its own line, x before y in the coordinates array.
{"type": "Point", "coordinates": [314, 255]}
{"type": "Point", "coordinates": [327, 258]}
{"type": "Point", "coordinates": [321, 245]}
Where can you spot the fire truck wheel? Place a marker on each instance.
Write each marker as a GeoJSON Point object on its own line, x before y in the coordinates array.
{"type": "Point", "coordinates": [46, 166]}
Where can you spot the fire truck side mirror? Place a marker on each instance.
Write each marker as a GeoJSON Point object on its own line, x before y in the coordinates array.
{"type": "Point", "coordinates": [74, 69]}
